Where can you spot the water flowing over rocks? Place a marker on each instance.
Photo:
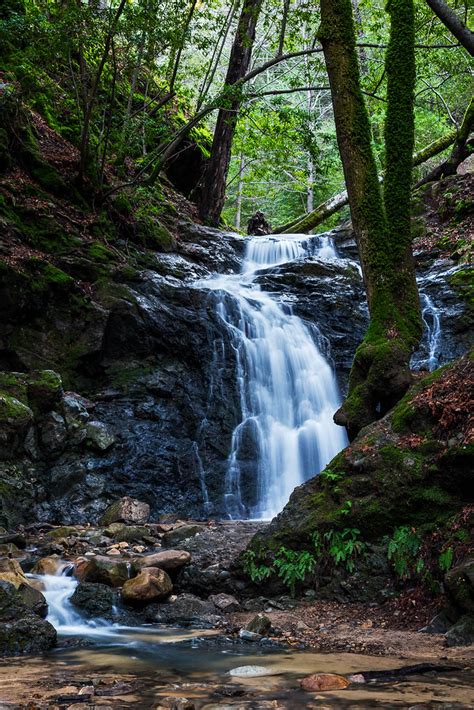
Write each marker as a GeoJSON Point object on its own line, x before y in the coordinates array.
{"type": "Point", "coordinates": [158, 366]}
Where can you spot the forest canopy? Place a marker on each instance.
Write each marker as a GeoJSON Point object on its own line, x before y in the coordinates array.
{"type": "Point", "coordinates": [122, 79]}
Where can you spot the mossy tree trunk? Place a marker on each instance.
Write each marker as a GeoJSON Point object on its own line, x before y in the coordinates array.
{"type": "Point", "coordinates": [212, 193]}
{"type": "Point", "coordinates": [380, 372]}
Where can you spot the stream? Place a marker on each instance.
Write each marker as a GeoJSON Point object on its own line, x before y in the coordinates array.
{"type": "Point", "coordinates": [155, 666]}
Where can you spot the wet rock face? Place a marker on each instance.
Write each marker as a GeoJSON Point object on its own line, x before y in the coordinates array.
{"type": "Point", "coordinates": [159, 372]}
{"type": "Point", "coordinates": [330, 297]}
{"type": "Point", "coordinates": [22, 630]}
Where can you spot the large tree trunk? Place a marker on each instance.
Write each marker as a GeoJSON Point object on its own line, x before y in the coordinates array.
{"type": "Point", "coordinates": [380, 373]}
{"type": "Point", "coordinates": [305, 223]}
{"type": "Point", "coordinates": [450, 20]}
{"type": "Point", "coordinates": [212, 192]}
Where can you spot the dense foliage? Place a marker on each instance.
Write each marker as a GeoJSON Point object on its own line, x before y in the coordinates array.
{"type": "Point", "coordinates": [122, 79]}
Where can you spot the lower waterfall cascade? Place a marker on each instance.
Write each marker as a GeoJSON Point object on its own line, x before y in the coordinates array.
{"type": "Point", "coordinates": [288, 390]}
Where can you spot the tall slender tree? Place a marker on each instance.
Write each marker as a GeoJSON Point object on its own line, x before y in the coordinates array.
{"type": "Point", "coordinates": [212, 195]}
{"type": "Point", "coordinates": [380, 372]}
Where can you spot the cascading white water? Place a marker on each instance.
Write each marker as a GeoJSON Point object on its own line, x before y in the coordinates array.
{"type": "Point", "coordinates": [432, 323]}
{"type": "Point", "coordinates": [66, 619]}
{"type": "Point", "coordinates": [288, 391]}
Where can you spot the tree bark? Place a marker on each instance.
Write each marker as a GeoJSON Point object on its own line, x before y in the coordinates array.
{"type": "Point", "coordinates": [240, 189]}
{"type": "Point", "coordinates": [212, 193]}
{"type": "Point", "coordinates": [305, 223]}
{"type": "Point", "coordinates": [450, 20]}
{"type": "Point", "coordinates": [380, 372]}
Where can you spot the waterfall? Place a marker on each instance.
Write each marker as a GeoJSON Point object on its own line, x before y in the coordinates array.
{"type": "Point", "coordinates": [428, 355]}
{"type": "Point", "coordinates": [66, 619]}
{"type": "Point", "coordinates": [288, 391]}
{"type": "Point", "coordinates": [432, 322]}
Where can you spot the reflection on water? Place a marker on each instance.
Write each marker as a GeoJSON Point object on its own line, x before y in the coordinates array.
{"type": "Point", "coordinates": [195, 665]}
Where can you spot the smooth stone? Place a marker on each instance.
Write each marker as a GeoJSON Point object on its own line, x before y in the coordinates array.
{"type": "Point", "coordinates": [151, 585]}
{"type": "Point", "coordinates": [103, 570]}
{"type": "Point", "coordinates": [324, 681]}
{"type": "Point", "coordinates": [177, 535]}
{"type": "Point", "coordinates": [249, 635]}
{"type": "Point", "coordinates": [166, 559]}
{"type": "Point", "coordinates": [252, 672]}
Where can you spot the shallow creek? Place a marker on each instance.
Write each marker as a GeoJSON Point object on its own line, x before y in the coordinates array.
{"type": "Point", "coordinates": [143, 666]}
{"type": "Point", "coordinates": [162, 664]}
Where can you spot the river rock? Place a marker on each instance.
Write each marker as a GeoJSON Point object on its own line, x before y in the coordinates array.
{"type": "Point", "coordinates": [11, 571]}
{"type": "Point", "coordinates": [165, 559]}
{"type": "Point", "coordinates": [126, 510]}
{"type": "Point", "coordinates": [21, 630]}
{"type": "Point", "coordinates": [252, 672]}
{"type": "Point", "coordinates": [185, 610]}
{"type": "Point", "coordinates": [324, 681]}
{"type": "Point", "coordinates": [462, 633]}
{"type": "Point", "coordinates": [49, 565]}
{"type": "Point", "coordinates": [33, 599]}
{"type": "Point", "coordinates": [459, 585]}
{"type": "Point", "coordinates": [44, 390]}
{"type": "Point", "coordinates": [102, 570]}
{"type": "Point", "coordinates": [126, 533]}
{"type": "Point", "coordinates": [53, 433]}
{"type": "Point", "coordinates": [225, 602]}
{"type": "Point", "coordinates": [246, 635]}
{"type": "Point", "coordinates": [99, 436]}
{"type": "Point", "coordinates": [97, 600]}
{"type": "Point", "coordinates": [151, 585]}
{"type": "Point", "coordinates": [177, 535]}
{"type": "Point", "coordinates": [260, 624]}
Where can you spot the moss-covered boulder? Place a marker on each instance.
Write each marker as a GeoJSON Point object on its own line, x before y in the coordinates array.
{"type": "Point", "coordinates": [103, 570]}
{"type": "Point", "coordinates": [414, 467]}
{"type": "Point", "coordinates": [96, 600]}
{"type": "Point", "coordinates": [44, 390]}
{"type": "Point", "coordinates": [15, 418]}
{"type": "Point", "coordinates": [21, 629]}
{"type": "Point", "coordinates": [126, 510]}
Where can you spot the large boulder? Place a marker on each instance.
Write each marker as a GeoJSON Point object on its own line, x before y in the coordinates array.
{"type": "Point", "coordinates": [459, 586]}
{"type": "Point", "coordinates": [21, 630]}
{"type": "Point", "coordinates": [165, 559]}
{"type": "Point", "coordinates": [49, 565]}
{"type": "Point", "coordinates": [183, 532]}
{"type": "Point", "coordinates": [96, 600]}
{"type": "Point", "coordinates": [185, 610]}
{"type": "Point", "coordinates": [11, 571]}
{"type": "Point", "coordinates": [462, 632]}
{"type": "Point", "coordinates": [102, 570]}
{"type": "Point", "coordinates": [151, 585]}
{"type": "Point", "coordinates": [126, 510]}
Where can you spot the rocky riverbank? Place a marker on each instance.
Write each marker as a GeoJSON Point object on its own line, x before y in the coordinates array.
{"type": "Point", "coordinates": [226, 622]}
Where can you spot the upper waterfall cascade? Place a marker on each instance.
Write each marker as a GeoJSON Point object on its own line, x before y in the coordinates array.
{"type": "Point", "coordinates": [288, 391]}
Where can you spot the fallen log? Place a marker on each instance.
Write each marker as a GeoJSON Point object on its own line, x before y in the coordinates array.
{"type": "Point", "coordinates": [304, 224]}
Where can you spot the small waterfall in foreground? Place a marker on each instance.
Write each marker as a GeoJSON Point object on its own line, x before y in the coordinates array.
{"type": "Point", "coordinates": [66, 619]}
{"type": "Point", "coordinates": [288, 391]}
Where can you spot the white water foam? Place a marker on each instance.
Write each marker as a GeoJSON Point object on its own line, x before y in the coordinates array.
{"type": "Point", "coordinates": [288, 391]}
